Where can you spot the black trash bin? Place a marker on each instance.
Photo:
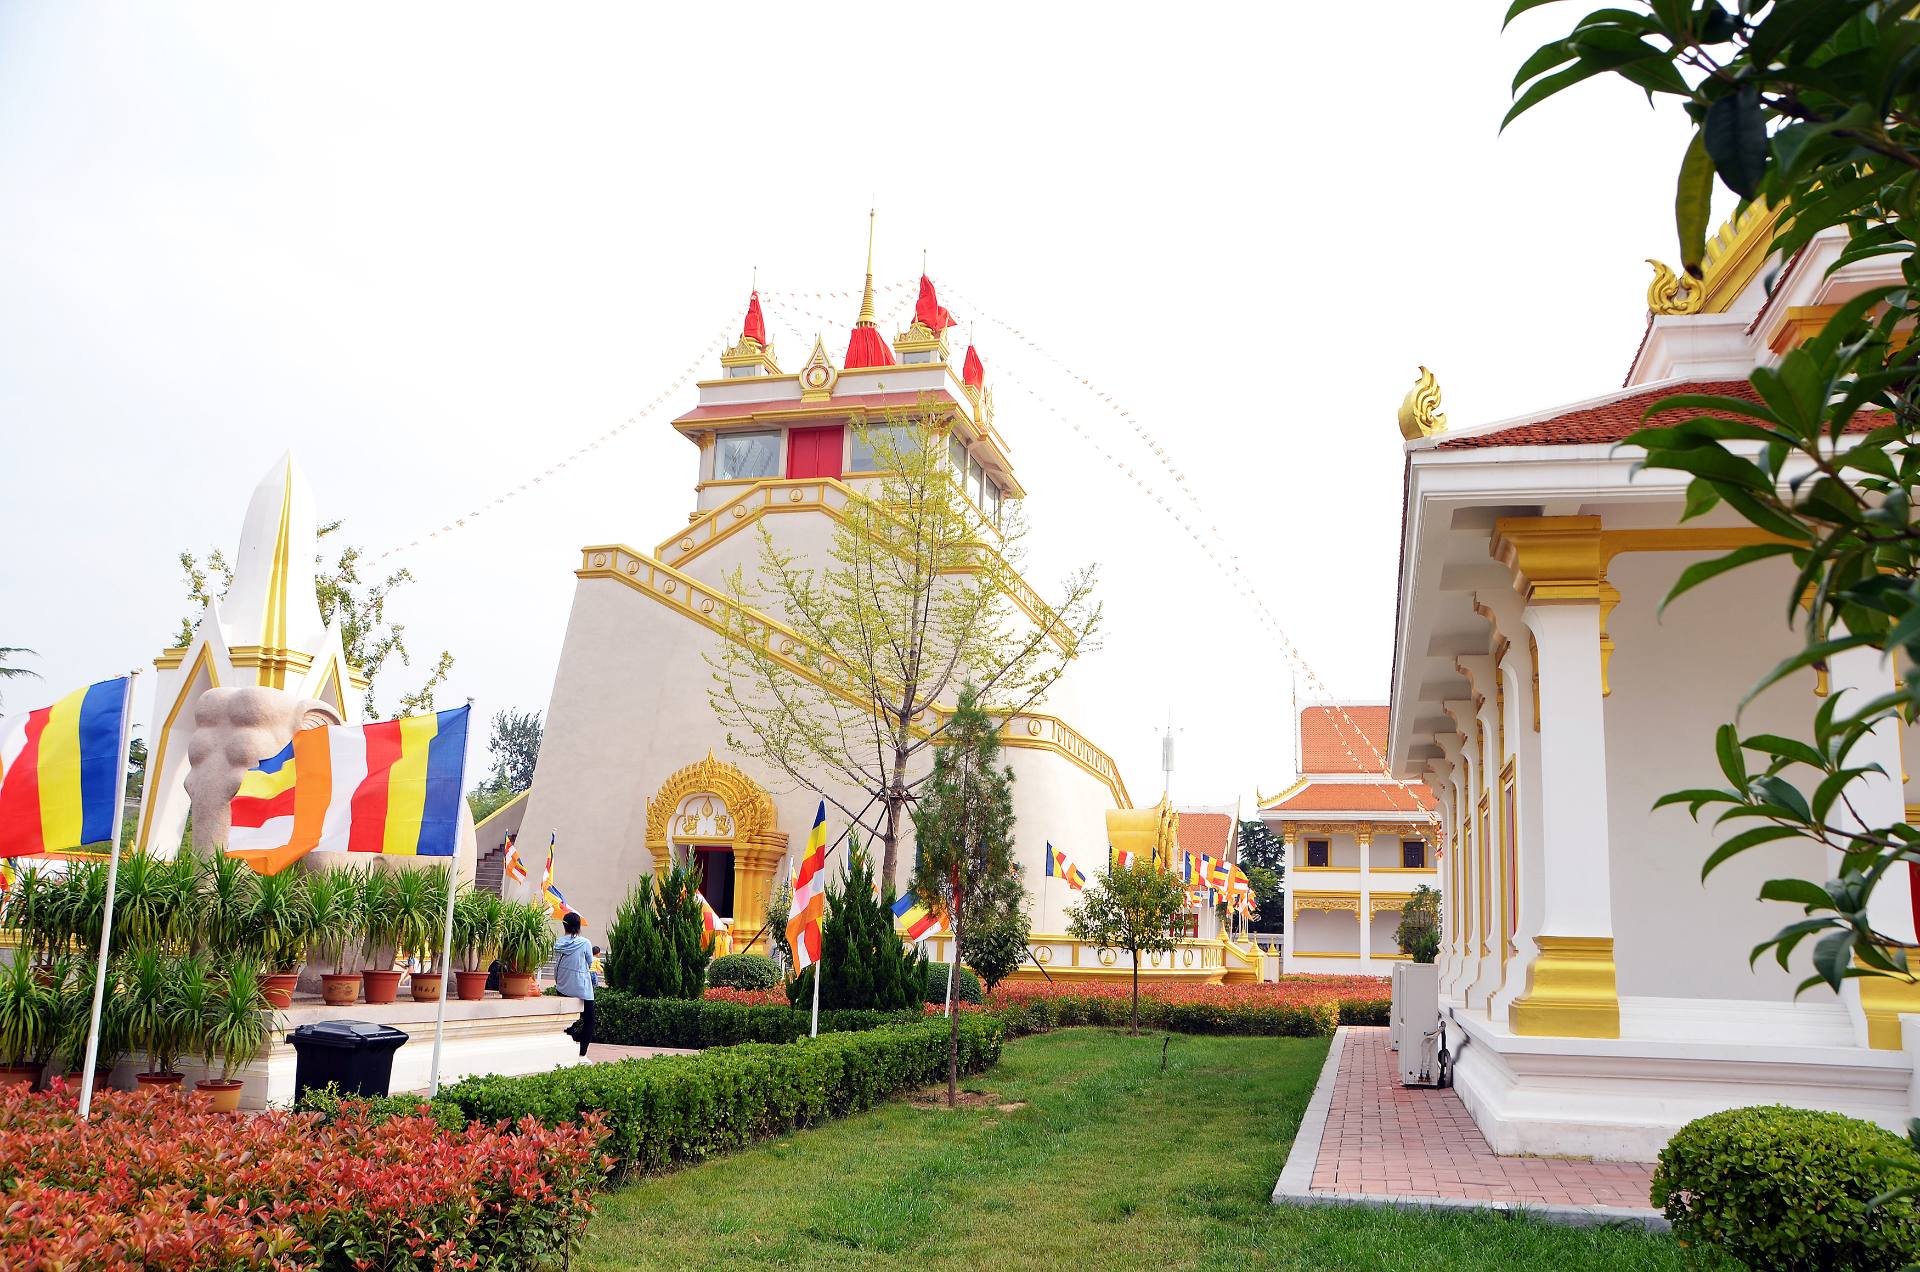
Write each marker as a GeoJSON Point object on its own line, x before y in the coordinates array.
{"type": "Point", "coordinates": [353, 1055]}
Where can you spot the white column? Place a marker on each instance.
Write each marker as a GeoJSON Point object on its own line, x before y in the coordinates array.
{"type": "Point", "coordinates": [1363, 838]}
{"type": "Point", "coordinates": [1571, 990]}
{"type": "Point", "coordinates": [1466, 785]}
{"type": "Point", "coordinates": [1454, 894]}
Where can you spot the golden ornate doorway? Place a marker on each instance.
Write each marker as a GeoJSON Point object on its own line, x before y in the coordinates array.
{"type": "Point", "coordinates": [714, 806]}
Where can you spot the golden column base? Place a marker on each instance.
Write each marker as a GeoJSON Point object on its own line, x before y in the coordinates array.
{"type": "Point", "coordinates": [753, 867]}
{"type": "Point", "coordinates": [1883, 998]}
{"type": "Point", "coordinates": [1570, 990]}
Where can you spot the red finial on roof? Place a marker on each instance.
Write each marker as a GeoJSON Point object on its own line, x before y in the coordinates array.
{"type": "Point", "coordinates": [928, 311]}
{"type": "Point", "coordinates": [972, 373]}
{"type": "Point", "coordinates": [865, 348]}
{"type": "Point", "coordinates": [755, 328]}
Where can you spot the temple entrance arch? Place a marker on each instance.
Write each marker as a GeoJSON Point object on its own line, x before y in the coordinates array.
{"type": "Point", "coordinates": [714, 817]}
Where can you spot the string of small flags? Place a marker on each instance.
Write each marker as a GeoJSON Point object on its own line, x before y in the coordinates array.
{"type": "Point", "coordinates": [706, 355]}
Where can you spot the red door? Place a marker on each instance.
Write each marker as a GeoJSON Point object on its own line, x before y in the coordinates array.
{"type": "Point", "coordinates": [814, 452]}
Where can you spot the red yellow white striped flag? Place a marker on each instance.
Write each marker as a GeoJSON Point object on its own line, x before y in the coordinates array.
{"type": "Point", "coordinates": [809, 896]}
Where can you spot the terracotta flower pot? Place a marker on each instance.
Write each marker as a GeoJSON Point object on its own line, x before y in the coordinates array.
{"type": "Point", "coordinates": [471, 985]}
{"type": "Point", "coordinates": [221, 1094]}
{"type": "Point", "coordinates": [382, 987]}
{"type": "Point", "coordinates": [279, 989]}
{"type": "Point", "coordinates": [153, 1082]}
{"type": "Point", "coordinates": [13, 1075]}
{"type": "Point", "coordinates": [428, 986]}
{"type": "Point", "coordinates": [516, 985]}
{"type": "Point", "coordinates": [340, 989]}
{"type": "Point", "coordinates": [70, 1082]}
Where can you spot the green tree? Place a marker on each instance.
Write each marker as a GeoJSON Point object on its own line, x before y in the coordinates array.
{"type": "Point", "coordinates": [9, 668]}
{"type": "Point", "coordinates": [656, 944]}
{"type": "Point", "coordinates": [998, 928]}
{"type": "Point", "coordinates": [863, 962]}
{"type": "Point", "coordinates": [1131, 909]}
{"type": "Point", "coordinates": [367, 636]}
{"type": "Point", "coordinates": [1418, 934]}
{"type": "Point", "coordinates": [1260, 846]}
{"type": "Point", "coordinates": [963, 835]}
{"type": "Point", "coordinates": [1813, 107]}
{"type": "Point", "coordinates": [918, 595]}
{"type": "Point", "coordinates": [515, 748]}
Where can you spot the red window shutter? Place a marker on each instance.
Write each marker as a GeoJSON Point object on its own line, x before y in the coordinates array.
{"type": "Point", "coordinates": [814, 452]}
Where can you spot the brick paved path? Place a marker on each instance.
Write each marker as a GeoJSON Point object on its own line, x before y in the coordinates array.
{"type": "Point", "coordinates": [1386, 1139]}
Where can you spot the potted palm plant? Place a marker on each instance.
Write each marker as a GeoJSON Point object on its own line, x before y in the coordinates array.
{"type": "Point", "coordinates": [424, 902]}
{"type": "Point", "coordinates": [73, 1018]}
{"type": "Point", "coordinates": [26, 1016]}
{"type": "Point", "coordinates": [338, 915]}
{"type": "Point", "coordinates": [164, 995]}
{"type": "Point", "coordinates": [526, 942]}
{"type": "Point", "coordinates": [236, 1025]}
{"type": "Point", "coordinates": [227, 890]}
{"type": "Point", "coordinates": [476, 935]}
{"type": "Point", "coordinates": [383, 928]}
{"type": "Point", "coordinates": [279, 927]}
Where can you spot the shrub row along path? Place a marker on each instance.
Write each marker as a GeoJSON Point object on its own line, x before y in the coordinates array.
{"type": "Point", "coordinates": [1076, 1152]}
{"type": "Point", "coordinates": [1384, 1140]}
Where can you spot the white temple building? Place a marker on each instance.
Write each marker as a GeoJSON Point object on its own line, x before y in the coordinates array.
{"type": "Point", "coordinates": [635, 768]}
{"type": "Point", "coordinates": [1598, 993]}
{"type": "Point", "coordinates": [1357, 843]}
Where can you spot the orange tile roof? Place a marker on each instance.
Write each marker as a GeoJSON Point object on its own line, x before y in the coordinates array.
{"type": "Point", "coordinates": [1343, 739]}
{"type": "Point", "coordinates": [1607, 422]}
{"type": "Point", "coordinates": [1204, 832]}
{"type": "Point", "coordinates": [1356, 797]}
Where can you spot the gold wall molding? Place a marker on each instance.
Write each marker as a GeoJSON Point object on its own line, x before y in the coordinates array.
{"type": "Point", "coordinates": [1883, 999]}
{"type": "Point", "coordinates": [1570, 990]}
{"type": "Point", "coordinates": [1332, 902]}
{"type": "Point", "coordinates": [796, 654]}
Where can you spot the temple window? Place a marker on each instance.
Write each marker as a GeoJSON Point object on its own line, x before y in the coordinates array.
{"type": "Point", "coordinates": [741, 373]}
{"type": "Point", "coordinates": [957, 452]}
{"type": "Point", "coordinates": [1413, 854]}
{"type": "Point", "coordinates": [868, 443]}
{"type": "Point", "coordinates": [991, 506]}
{"type": "Point", "coordinates": [1317, 852]}
{"type": "Point", "coordinates": [746, 456]}
{"type": "Point", "coordinates": [976, 477]}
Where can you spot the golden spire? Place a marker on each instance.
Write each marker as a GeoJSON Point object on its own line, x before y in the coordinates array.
{"type": "Point", "coordinates": [866, 301]}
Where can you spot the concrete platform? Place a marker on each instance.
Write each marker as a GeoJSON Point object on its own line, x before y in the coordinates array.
{"type": "Point", "coordinates": [495, 1035]}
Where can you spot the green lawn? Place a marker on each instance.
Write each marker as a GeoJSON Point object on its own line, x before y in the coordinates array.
{"type": "Point", "coordinates": [1109, 1165]}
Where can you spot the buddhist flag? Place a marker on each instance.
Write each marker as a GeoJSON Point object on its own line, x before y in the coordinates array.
{"type": "Point", "coordinates": [8, 875]}
{"type": "Point", "coordinates": [1123, 860]}
{"type": "Point", "coordinates": [513, 867]}
{"type": "Point", "coordinates": [549, 891]}
{"type": "Point", "coordinates": [809, 896]}
{"type": "Point", "coordinates": [710, 921]}
{"type": "Point", "coordinates": [914, 921]}
{"type": "Point", "coordinates": [391, 787]}
{"type": "Point", "coordinates": [1058, 867]}
{"type": "Point", "coordinates": [60, 769]}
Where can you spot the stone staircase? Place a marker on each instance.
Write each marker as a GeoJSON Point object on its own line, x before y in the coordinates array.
{"type": "Point", "coordinates": [489, 873]}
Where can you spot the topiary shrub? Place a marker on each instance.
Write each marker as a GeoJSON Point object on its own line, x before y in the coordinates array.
{"type": "Point", "coordinates": [744, 971]}
{"type": "Point", "coordinates": [966, 986]}
{"type": "Point", "coordinates": [865, 964]}
{"type": "Point", "coordinates": [1785, 1188]}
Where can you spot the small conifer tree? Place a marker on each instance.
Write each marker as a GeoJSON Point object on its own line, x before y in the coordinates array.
{"type": "Point", "coordinates": [863, 963]}
{"type": "Point", "coordinates": [656, 944]}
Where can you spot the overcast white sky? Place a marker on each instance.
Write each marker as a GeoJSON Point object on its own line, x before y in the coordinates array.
{"type": "Point", "coordinates": [435, 249]}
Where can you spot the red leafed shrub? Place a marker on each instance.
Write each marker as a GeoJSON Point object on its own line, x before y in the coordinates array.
{"type": "Point", "coordinates": [1294, 1006]}
{"type": "Point", "coordinates": [159, 1182]}
{"type": "Point", "coordinates": [776, 997]}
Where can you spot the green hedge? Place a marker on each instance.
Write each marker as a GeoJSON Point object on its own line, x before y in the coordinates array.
{"type": "Point", "coordinates": [1038, 1015]}
{"type": "Point", "coordinates": [966, 984]}
{"type": "Point", "coordinates": [678, 1022]}
{"type": "Point", "coordinates": [1778, 1187]}
{"type": "Point", "coordinates": [1366, 1011]}
{"type": "Point", "coordinates": [744, 971]}
{"type": "Point", "coordinates": [677, 1109]}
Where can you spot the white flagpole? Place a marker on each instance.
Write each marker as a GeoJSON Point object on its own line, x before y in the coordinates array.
{"type": "Point", "coordinates": [950, 962]}
{"type": "Point", "coordinates": [446, 940]}
{"type": "Point", "coordinates": [814, 1032]}
{"type": "Point", "coordinates": [106, 919]}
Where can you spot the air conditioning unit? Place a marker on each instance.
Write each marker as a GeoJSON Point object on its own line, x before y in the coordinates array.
{"type": "Point", "coordinates": [1416, 1023]}
{"type": "Point", "coordinates": [1396, 1016]}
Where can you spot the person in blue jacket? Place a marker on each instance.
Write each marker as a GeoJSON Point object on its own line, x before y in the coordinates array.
{"type": "Point", "coordinates": [573, 977]}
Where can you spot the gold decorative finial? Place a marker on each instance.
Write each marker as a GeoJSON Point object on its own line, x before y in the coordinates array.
{"type": "Point", "coordinates": [1420, 411]}
{"type": "Point", "coordinates": [866, 301]}
{"type": "Point", "coordinates": [1669, 293]}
